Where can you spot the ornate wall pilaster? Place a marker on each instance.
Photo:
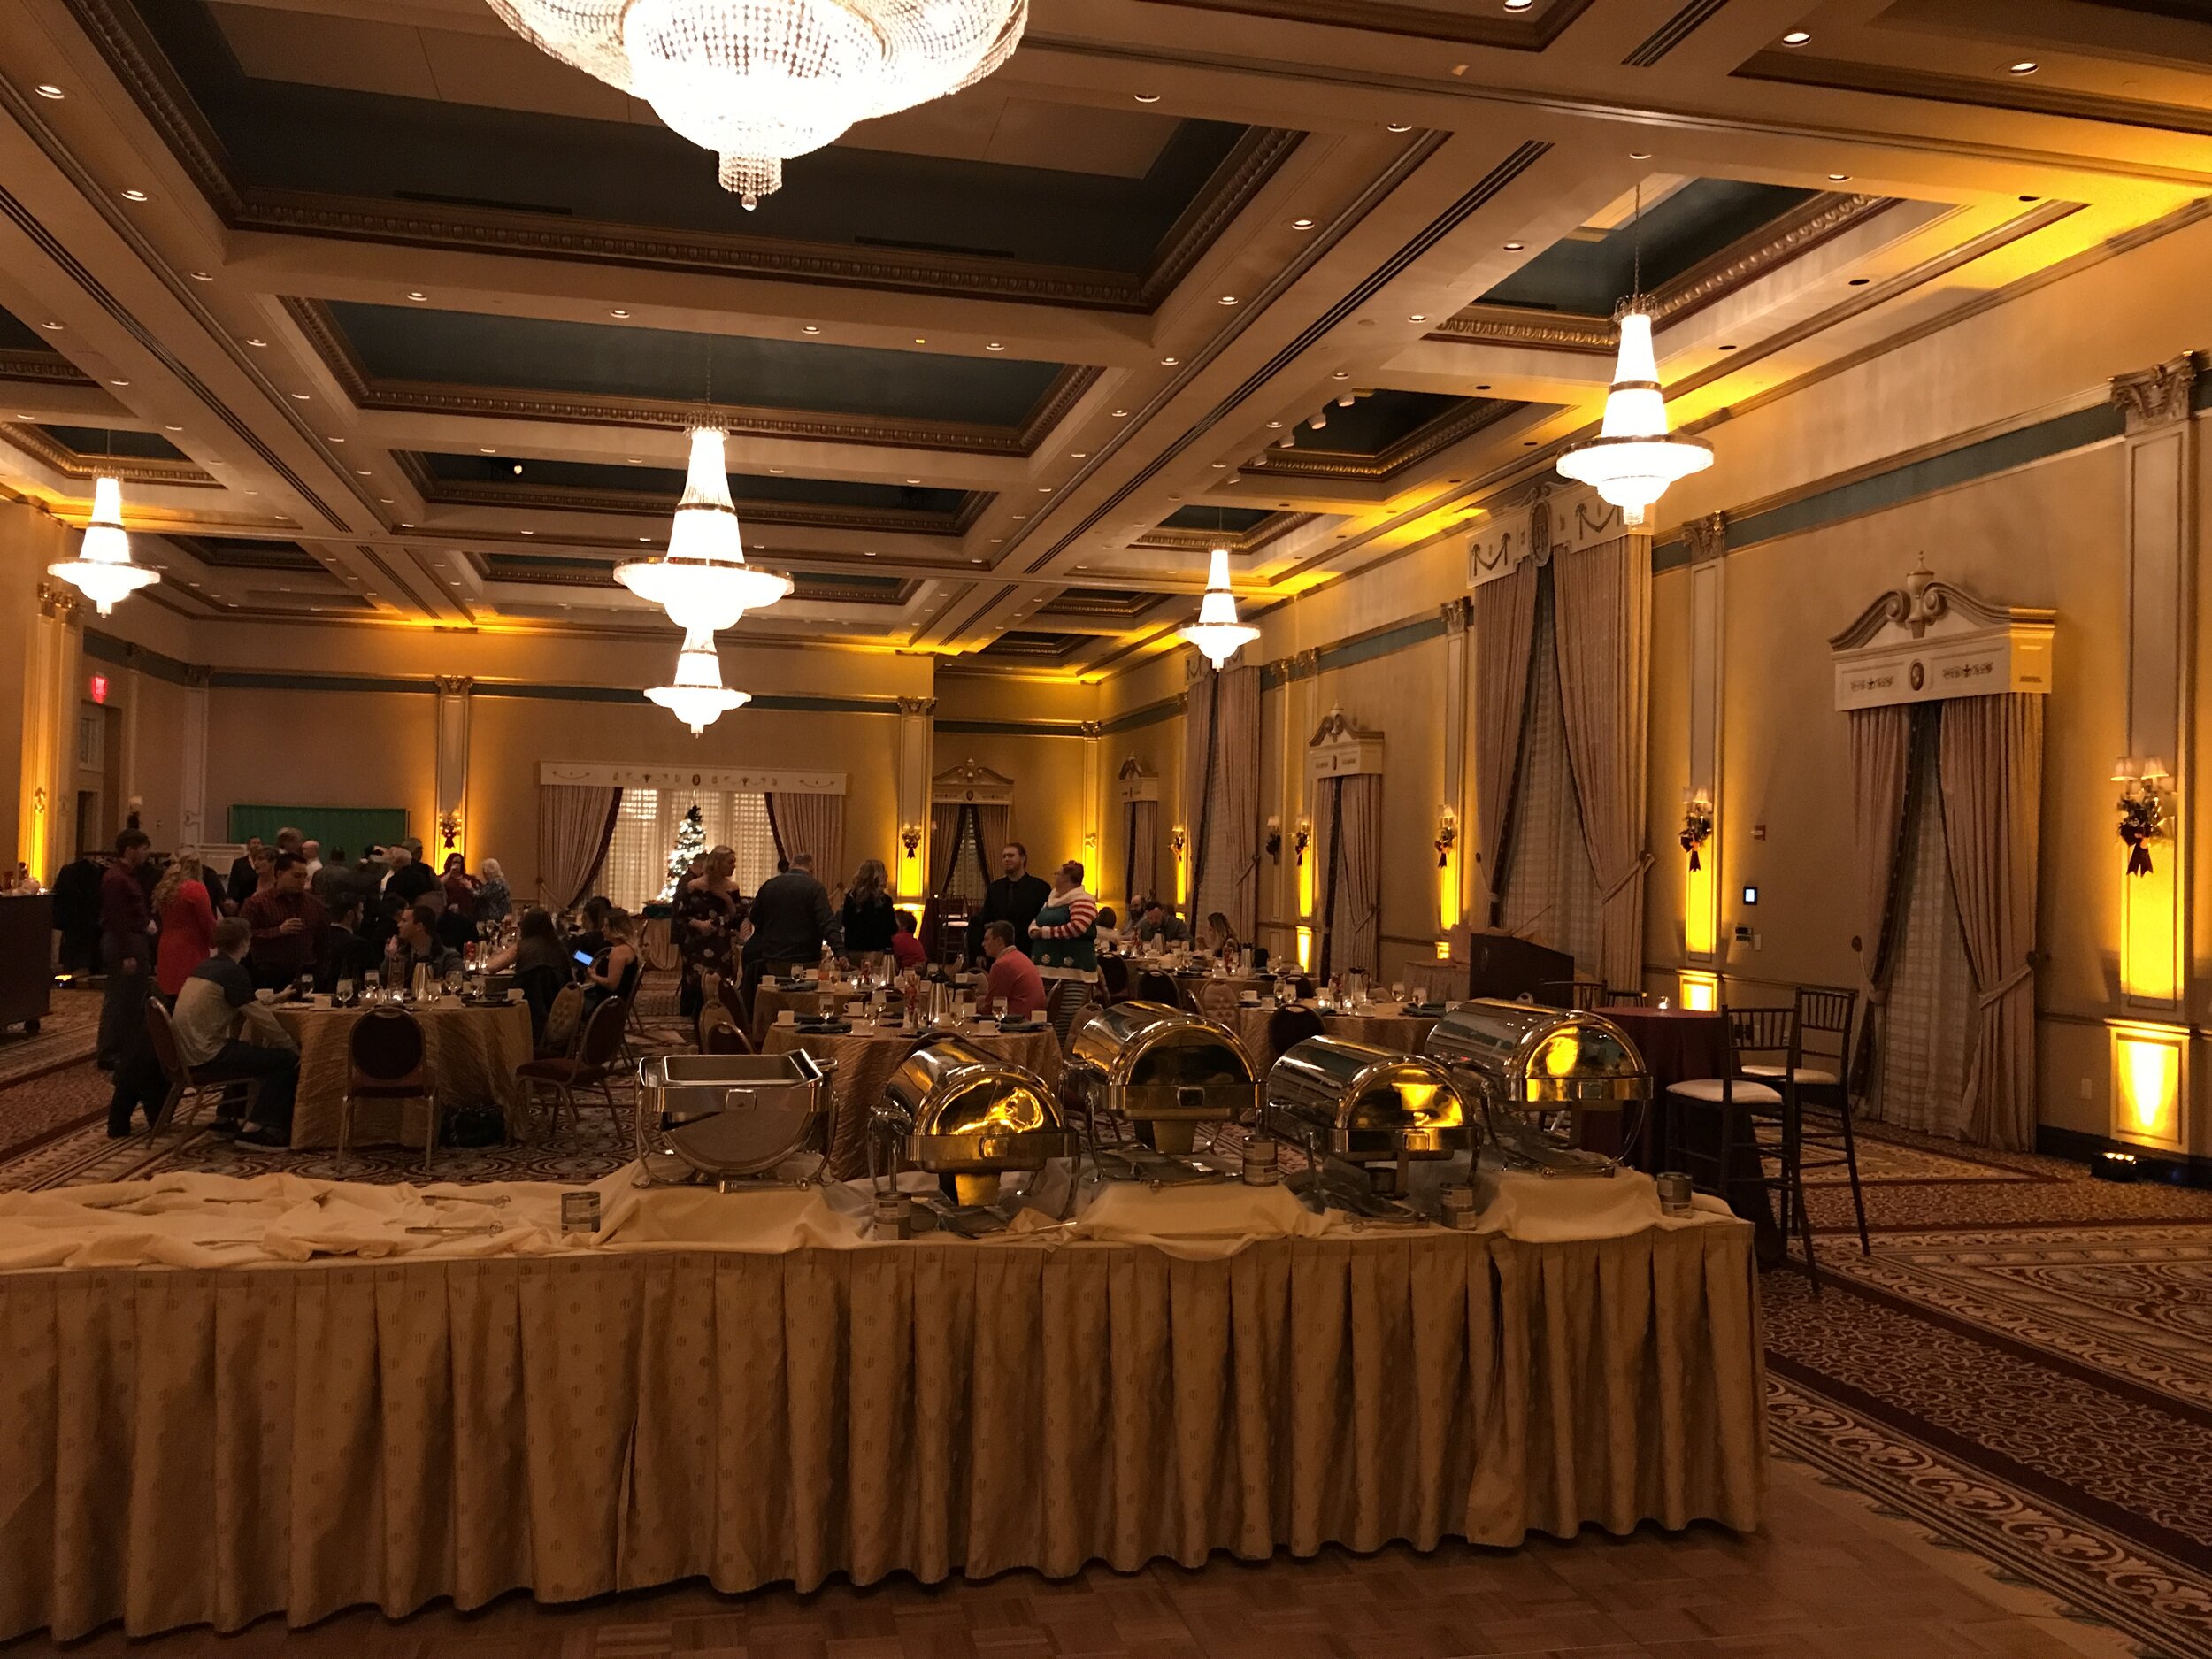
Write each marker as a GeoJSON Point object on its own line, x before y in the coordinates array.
{"type": "Point", "coordinates": [1459, 713]}
{"type": "Point", "coordinates": [1707, 541]}
{"type": "Point", "coordinates": [47, 812]}
{"type": "Point", "coordinates": [193, 829]}
{"type": "Point", "coordinates": [2161, 559]}
{"type": "Point", "coordinates": [449, 829]}
{"type": "Point", "coordinates": [917, 741]}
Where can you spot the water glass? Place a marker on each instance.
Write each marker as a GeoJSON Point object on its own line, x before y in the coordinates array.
{"type": "Point", "coordinates": [345, 992]}
{"type": "Point", "coordinates": [1000, 1006]}
{"type": "Point", "coordinates": [1397, 990]}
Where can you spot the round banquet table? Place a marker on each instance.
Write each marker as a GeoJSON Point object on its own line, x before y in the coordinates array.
{"type": "Point", "coordinates": [470, 1053]}
{"type": "Point", "coordinates": [1386, 1025]}
{"type": "Point", "coordinates": [771, 999]}
{"type": "Point", "coordinates": [1679, 1044]}
{"type": "Point", "coordinates": [865, 1057]}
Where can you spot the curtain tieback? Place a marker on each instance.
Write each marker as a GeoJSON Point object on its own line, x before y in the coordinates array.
{"type": "Point", "coordinates": [2006, 986]}
{"type": "Point", "coordinates": [1642, 864]}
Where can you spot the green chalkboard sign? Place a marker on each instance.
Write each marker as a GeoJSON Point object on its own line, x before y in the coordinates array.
{"type": "Point", "coordinates": [351, 827]}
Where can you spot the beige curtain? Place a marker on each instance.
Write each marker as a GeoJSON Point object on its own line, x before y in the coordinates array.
{"type": "Point", "coordinates": [993, 828]}
{"type": "Point", "coordinates": [1881, 760]}
{"type": "Point", "coordinates": [1991, 760]}
{"type": "Point", "coordinates": [1503, 626]}
{"type": "Point", "coordinates": [813, 823]}
{"type": "Point", "coordinates": [575, 823]}
{"type": "Point", "coordinates": [1225, 839]}
{"type": "Point", "coordinates": [1199, 686]}
{"type": "Point", "coordinates": [1352, 903]}
{"type": "Point", "coordinates": [944, 843]}
{"type": "Point", "coordinates": [1140, 866]}
{"type": "Point", "coordinates": [1602, 613]}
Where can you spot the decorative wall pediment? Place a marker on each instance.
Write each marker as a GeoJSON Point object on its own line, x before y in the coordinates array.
{"type": "Point", "coordinates": [1337, 747]}
{"type": "Point", "coordinates": [689, 777]}
{"type": "Point", "coordinates": [1136, 782]}
{"type": "Point", "coordinates": [1541, 520]}
{"type": "Point", "coordinates": [971, 784]}
{"type": "Point", "coordinates": [1928, 641]}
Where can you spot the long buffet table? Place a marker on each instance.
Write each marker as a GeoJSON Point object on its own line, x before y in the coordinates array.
{"type": "Point", "coordinates": [759, 1396]}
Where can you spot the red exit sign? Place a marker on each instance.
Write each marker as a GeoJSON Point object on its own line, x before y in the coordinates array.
{"type": "Point", "coordinates": [98, 687]}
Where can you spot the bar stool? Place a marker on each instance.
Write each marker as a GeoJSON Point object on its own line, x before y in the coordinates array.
{"type": "Point", "coordinates": [1739, 1103]}
{"type": "Point", "coordinates": [1825, 1015]}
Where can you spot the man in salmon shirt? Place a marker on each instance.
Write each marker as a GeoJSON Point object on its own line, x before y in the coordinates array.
{"type": "Point", "coordinates": [1013, 976]}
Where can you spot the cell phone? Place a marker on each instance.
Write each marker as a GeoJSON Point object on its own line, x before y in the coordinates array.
{"type": "Point", "coordinates": [582, 958]}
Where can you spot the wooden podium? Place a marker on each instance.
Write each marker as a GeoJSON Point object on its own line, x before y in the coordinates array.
{"type": "Point", "coordinates": [1501, 965]}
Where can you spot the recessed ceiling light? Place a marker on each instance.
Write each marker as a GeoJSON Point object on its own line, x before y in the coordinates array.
{"type": "Point", "coordinates": [53, 328]}
{"type": "Point", "coordinates": [1079, 455]}
{"type": "Point", "coordinates": [2030, 198]}
{"type": "Point", "coordinates": [1514, 247]}
{"type": "Point", "coordinates": [256, 340]}
{"type": "Point", "coordinates": [1417, 317]}
{"type": "Point", "coordinates": [134, 195]}
{"type": "Point", "coordinates": [618, 312]}
{"type": "Point", "coordinates": [2025, 67]}
{"type": "Point", "coordinates": [809, 329]}
{"type": "Point", "coordinates": [1795, 37]}
{"type": "Point", "coordinates": [1274, 425]}
{"type": "Point", "coordinates": [1728, 348]}
{"type": "Point", "coordinates": [360, 471]}
{"type": "Point", "coordinates": [385, 501]}
{"type": "Point", "coordinates": [165, 428]}
{"type": "Point", "coordinates": [201, 276]}
{"type": "Point", "coordinates": [633, 461]}
{"type": "Point", "coordinates": [1169, 362]}
{"type": "Point", "coordinates": [995, 345]}
{"type": "Point", "coordinates": [1301, 224]}
{"type": "Point", "coordinates": [1860, 281]}
{"type": "Point", "coordinates": [48, 89]}
{"type": "Point", "coordinates": [529, 533]}
{"type": "Point", "coordinates": [118, 382]}
{"type": "Point", "coordinates": [1519, 6]}
{"type": "Point", "coordinates": [299, 397]}
{"type": "Point", "coordinates": [1484, 387]}
{"type": "Point", "coordinates": [1019, 516]}
{"type": "Point", "coordinates": [337, 440]}
{"type": "Point", "coordinates": [1147, 97]}
{"type": "Point", "coordinates": [1398, 126]}
{"type": "Point", "coordinates": [1838, 177]}
{"type": "Point", "coordinates": [1639, 155]}
{"type": "Point", "coordinates": [1044, 489]}
{"type": "Point", "coordinates": [1221, 467]}
{"type": "Point", "coordinates": [1227, 299]}
{"type": "Point", "coordinates": [777, 471]}
{"type": "Point", "coordinates": [417, 294]}
{"type": "Point", "coordinates": [913, 480]}
{"type": "Point", "coordinates": [482, 450]}
{"type": "Point", "coordinates": [1121, 414]}
{"type": "Point", "coordinates": [920, 340]}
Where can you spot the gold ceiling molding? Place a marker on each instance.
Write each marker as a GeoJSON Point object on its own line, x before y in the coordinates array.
{"type": "Point", "coordinates": [131, 469]}
{"type": "Point", "coordinates": [48, 368]}
{"type": "Point", "coordinates": [314, 321]}
{"type": "Point", "coordinates": [167, 102]}
{"type": "Point", "coordinates": [1176, 538]}
{"type": "Point", "coordinates": [815, 586]}
{"type": "Point", "coordinates": [888, 520]}
{"type": "Point", "coordinates": [2012, 94]}
{"type": "Point", "coordinates": [1417, 445]}
{"type": "Point", "coordinates": [1388, 17]}
{"type": "Point", "coordinates": [1766, 249]}
{"type": "Point", "coordinates": [1082, 601]}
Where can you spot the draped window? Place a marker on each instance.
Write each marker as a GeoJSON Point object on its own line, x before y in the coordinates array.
{"type": "Point", "coordinates": [575, 822]}
{"type": "Point", "coordinates": [1141, 863]}
{"type": "Point", "coordinates": [807, 823]}
{"type": "Point", "coordinates": [1927, 1015]}
{"type": "Point", "coordinates": [1224, 750]}
{"type": "Point", "coordinates": [634, 873]}
{"type": "Point", "coordinates": [960, 870]}
{"type": "Point", "coordinates": [1502, 636]}
{"type": "Point", "coordinates": [1548, 892]}
{"type": "Point", "coordinates": [1350, 814]}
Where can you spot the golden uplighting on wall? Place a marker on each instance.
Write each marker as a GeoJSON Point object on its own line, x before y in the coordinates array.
{"type": "Point", "coordinates": [2150, 1083]}
{"type": "Point", "coordinates": [1305, 951]}
{"type": "Point", "coordinates": [1701, 992]}
{"type": "Point", "coordinates": [1446, 868]}
{"type": "Point", "coordinates": [1301, 843]}
{"type": "Point", "coordinates": [909, 885]}
{"type": "Point", "coordinates": [1178, 844]}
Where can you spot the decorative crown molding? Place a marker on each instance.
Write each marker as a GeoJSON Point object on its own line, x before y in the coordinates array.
{"type": "Point", "coordinates": [1417, 445]}
{"type": "Point", "coordinates": [1927, 641]}
{"type": "Point", "coordinates": [129, 469]}
{"type": "Point", "coordinates": [1706, 537]}
{"type": "Point", "coordinates": [2156, 396]}
{"type": "Point", "coordinates": [47, 368]}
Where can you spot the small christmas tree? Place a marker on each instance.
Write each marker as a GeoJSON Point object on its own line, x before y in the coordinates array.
{"type": "Point", "coordinates": [691, 843]}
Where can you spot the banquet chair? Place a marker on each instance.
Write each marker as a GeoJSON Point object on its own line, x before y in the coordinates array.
{"type": "Point", "coordinates": [387, 1059]}
{"type": "Point", "coordinates": [1825, 1015]}
{"type": "Point", "coordinates": [540, 988]}
{"type": "Point", "coordinates": [188, 1090]}
{"type": "Point", "coordinates": [1155, 986]}
{"type": "Point", "coordinates": [591, 1068]}
{"type": "Point", "coordinates": [1739, 1104]}
{"type": "Point", "coordinates": [563, 1023]}
{"type": "Point", "coordinates": [1438, 981]}
{"type": "Point", "coordinates": [1065, 1002]}
{"type": "Point", "coordinates": [1113, 975]}
{"type": "Point", "coordinates": [721, 1034]}
{"type": "Point", "coordinates": [1288, 1025]}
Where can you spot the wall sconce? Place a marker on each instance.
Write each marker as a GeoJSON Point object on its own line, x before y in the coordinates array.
{"type": "Point", "coordinates": [2142, 807]}
{"type": "Point", "coordinates": [910, 838]}
{"type": "Point", "coordinates": [1447, 836]}
{"type": "Point", "coordinates": [1697, 823]}
{"type": "Point", "coordinates": [1275, 840]}
{"type": "Point", "coordinates": [449, 829]}
{"type": "Point", "coordinates": [1302, 839]}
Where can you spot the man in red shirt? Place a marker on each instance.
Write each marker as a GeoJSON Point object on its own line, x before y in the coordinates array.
{"type": "Point", "coordinates": [1013, 976]}
{"type": "Point", "coordinates": [289, 926]}
{"type": "Point", "coordinates": [127, 950]}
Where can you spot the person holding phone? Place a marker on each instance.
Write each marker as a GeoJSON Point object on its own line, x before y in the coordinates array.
{"type": "Point", "coordinates": [605, 977]}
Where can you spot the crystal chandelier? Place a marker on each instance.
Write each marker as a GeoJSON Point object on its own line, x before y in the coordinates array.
{"type": "Point", "coordinates": [703, 581]}
{"type": "Point", "coordinates": [758, 81]}
{"type": "Point", "coordinates": [698, 698]}
{"type": "Point", "coordinates": [1633, 457]}
{"type": "Point", "coordinates": [1217, 634]}
{"type": "Point", "coordinates": [103, 568]}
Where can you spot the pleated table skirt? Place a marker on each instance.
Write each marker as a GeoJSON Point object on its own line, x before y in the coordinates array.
{"type": "Point", "coordinates": [185, 1447]}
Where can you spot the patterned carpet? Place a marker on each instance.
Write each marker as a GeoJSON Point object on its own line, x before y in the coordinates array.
{"type": "Point", "coordinates": [66, 1035]}
{"type": "Point", "coordinates": [2024, 1366]}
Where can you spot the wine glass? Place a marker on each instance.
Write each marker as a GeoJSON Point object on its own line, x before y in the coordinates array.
{"type": "Point", "coordinates": [453, 982]}
{"type": "Point", "coordinates": [345, 992]}
{"type": "Point", "coordinates": [1398, 991]}
{"type": "Point", "coordinates": [304, 988]}
{"type": "Point", "coordinates": [1001, 1007]}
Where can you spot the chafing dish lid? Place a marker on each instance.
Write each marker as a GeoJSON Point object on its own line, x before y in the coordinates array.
{"type": "Point", "coordinates": [1540, 1056]}
{"type": "Point", "coordinates": [1134, 1043]}
{"type": "Point", "coordinates": [1363, 1087]}
{"type": "Point", "coordinates": [947, 1086]}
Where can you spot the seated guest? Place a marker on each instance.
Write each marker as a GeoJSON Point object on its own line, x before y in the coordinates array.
{"type": "Point", "coordinates": [222, 1032]}
{"type": "Point", "coordinates": [592, 941]}
{"type": "Point", "coordinates": [349, 953]}
{"type": "Point", "coordinates": [1108, 926]}
{"type": "Point", "coordinates": [868, 910]}
{"type": "Point", "coordinates": [1064, 935]}
{"type": "Point", "coordinates": [1013, 975]}
{"type": "Point", "coordinates": [411, 880]}
{"type": "Point", "coordinates": [289, 926]}
{"type": "Point", "coordinates": [906, 947]}
{"type": "Point", "coordinates": [1220, 937]}
{"type": "Point", "coordinates": [1161, 924]}
{"type": "Point", "coordinates": [185, 915]}
{"type": "Point", "coordinates": [537, 945]}
{"type": "Point", "coordinates": [603, 979]}
{"type": "Point", "coordinates": [415, 945]}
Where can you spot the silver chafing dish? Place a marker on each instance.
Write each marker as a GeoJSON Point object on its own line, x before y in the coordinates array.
{"type": "Point", "coordinates": [730, 1117]}
{"type": "Point", "coordinates": [952, 1110]}
{"type": "Point", "coordinates": [1354, 1103]}
{"type": "Point", "coordinates": [1535, 1071]}
{"type": "Point", "coordinates": [1163, 1069]}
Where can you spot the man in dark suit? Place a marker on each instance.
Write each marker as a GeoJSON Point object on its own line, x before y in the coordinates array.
{"type": "Point", "coordinates": [1015, 898]}
{"type": "Point", "coordinates": [792, 919]}
{"type": "Point", "coordinates": [243, 877]}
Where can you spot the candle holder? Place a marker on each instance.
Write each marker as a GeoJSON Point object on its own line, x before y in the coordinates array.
{"type": "Point", "coordinates": [2142, 807]}
{"type": "Point", "coordinates": [1697, 823]}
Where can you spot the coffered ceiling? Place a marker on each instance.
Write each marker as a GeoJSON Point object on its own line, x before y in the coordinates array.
{"type": "Point", "coordinates": [411, 319]}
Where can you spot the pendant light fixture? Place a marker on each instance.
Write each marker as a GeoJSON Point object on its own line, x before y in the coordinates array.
{"type": "Point", "coordinates": [1217, 634]}
{"type": "Point", "coordinates": [698, 698]}
{"type": "Point", "coordinates": [102, 569]}
{"type": "Point", "coordinates": [703, 580]}
{"type": "Point", "coordinates": [1633, 457]}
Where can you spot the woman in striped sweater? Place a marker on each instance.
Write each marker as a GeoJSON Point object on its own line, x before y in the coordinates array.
{"type": "Point", "coordinates": [1064, 938]}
